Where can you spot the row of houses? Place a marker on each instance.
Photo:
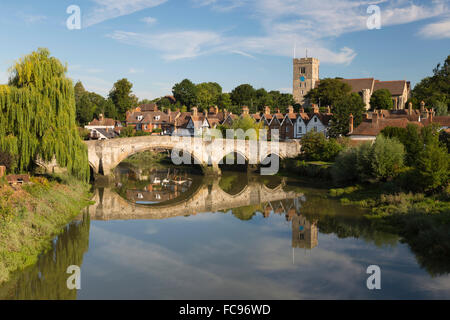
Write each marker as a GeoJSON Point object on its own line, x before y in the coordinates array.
{"type": "Point", "coordinates": [374, 122]}
{"type": "Point", "coordinates": [290, 125]}
{"type": "Point", "coordinates": [149, 119]}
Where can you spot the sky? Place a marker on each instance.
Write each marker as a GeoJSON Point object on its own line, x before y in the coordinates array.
{"type": "Point", "coordinates": [157, 43]}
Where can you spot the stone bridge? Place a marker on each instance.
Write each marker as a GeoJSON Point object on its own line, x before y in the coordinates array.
{"type": "Point", "coordinates": [109, 205]}
{"type": "Point", "coordinates": [105, 155]}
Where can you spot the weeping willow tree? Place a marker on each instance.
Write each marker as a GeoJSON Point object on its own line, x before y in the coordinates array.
{"type": "Point", "coordinates": [37, 116]}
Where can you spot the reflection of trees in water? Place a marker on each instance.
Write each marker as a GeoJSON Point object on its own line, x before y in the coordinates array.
{"type": "Point", "coordinates": [233, 183]}
{"type": "Point", "coordinates": [47, 279]}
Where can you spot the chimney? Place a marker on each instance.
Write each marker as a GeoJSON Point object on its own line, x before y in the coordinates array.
{"type": "Point", "coordinates": [351, 124]}
{"type": "Point", "coordinates": [431, 115]}
{"type": "Point", "coordinates": [194, 111]}
{"type": "Point", "coordinates": [410, 108]}
{"type": "Point", "coordinates": [328, 109]}
{"type": "Point", "coordinates": [366, 116]}
{"type": "Point", "coordinates": [316, 108]}
{"type": "Point", "coordinates": [302, 110]}
{"type": "Point", "coordinates": [216, 109]}
{"type": "Point", "coordinates": [267, 110]}
{"type": "Point", "coordinates": [205, 113]}
{"type": "Point", "coordinates": [107, 129]}
{"type": "Point", "coordinates": [291, 109]}
{"type": "Point", "coordinates": [245, 110]}
{"type": "Point", "coordinates": [278, 110]}
{"type": "Point", "coordinates": [422, 106]}
{"type": "Point", "coordinates": [100, 117]}
{"type": "Point", "coordinates": [375, 118]}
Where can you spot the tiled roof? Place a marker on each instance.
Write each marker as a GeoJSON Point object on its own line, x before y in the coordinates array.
{"type": "Point", "coordinates": [150, 107]}
{"type": "Point", "coordinates": [368, 128]}
{"type": "Point", "coordinates": [105, 122]}
{"type": "Point", "coordinates": [396, 88]}
{"type": "Point", "coordinates": [358, 85]}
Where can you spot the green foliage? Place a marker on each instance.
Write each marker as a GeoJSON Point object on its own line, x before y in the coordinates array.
{"type": "Point", "coordinates": [244, 94]}
{"type": "Point", "coordinates": [8, 160]}
{"type": "Point", "coordinates": [382, 160]}
{"type": "Point", "coordinates": [208, 93]}
{"type": "Point", "coordinates": [434, 90]}
{"type": "Point", "coordinates": [381, 99]}
{"type": "Point", "coordinates": [343, 170]}
{"type": "Point", "coordinates": [122, 97]}
{"type": "Point", "coordinates": [329, 92]}
{"type": "Point", "coordinates": [387, 157]}
{"type": "Point", "coordinates": [244, 123]}
{"type": "Point", "coordinates": [348, 104]}
{"type": "Point", "coordinates": [127, 132]}
{"type": "Point", "coordinates": [441, 108]}
{"type": "Point", "coordinates": [37, 115]}
{"type": "Point", "coordinates": [433, 167]}
{"type": "Point", "coordinates": [186, 93]}
{"type": "Point", "coordinates": [316, 147]}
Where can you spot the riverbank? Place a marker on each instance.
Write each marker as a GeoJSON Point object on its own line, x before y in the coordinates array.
{"type": "Point", "coordinates": [32, 215]}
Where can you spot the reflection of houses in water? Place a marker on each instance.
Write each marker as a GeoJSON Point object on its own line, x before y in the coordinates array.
{"type": "Point", "coordinates": [304, 232]}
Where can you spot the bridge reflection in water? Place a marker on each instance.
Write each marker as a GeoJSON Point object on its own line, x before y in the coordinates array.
{"type": "Point", "coordinates": [193, 197]}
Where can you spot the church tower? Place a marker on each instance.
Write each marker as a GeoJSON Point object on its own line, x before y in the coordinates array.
{"type": "Point", "coordinates": [306, 74]}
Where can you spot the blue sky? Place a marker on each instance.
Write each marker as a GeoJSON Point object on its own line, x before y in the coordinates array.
{"type": "Point", "coordinates": [156, 43]}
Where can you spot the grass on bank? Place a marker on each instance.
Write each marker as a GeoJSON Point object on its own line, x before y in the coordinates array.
{"type": "Point", "coordinates": [33, 215]}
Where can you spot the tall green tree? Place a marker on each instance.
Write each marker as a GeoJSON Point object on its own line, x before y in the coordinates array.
{"type": "Point", "coordinates": [381, 99]}
{"type": "Point", "coordinates": [434, 89]}
{"type": "Point", "coordinates": [244, 95]}
{"type": "Point", "coordinates": [208, 93]}
{"type": "Point", "coordinates": [350, 104]}
{"type": "Point", "coordinates": [37, 115]}
{"type": "Point", "coordinates": [123, 98]}
{"type": "Point", "coordinates": [186, 93]}
{"type": "Point", "coordinates": [329, 92]}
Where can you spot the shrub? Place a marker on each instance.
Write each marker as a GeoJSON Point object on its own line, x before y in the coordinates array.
{"type": "Point", "coordinates": [432, 167]}
{"type": "Point", "coordinates": [317, 147]}
{"type": "Point", "coordinates": [343, 170]}
{"type": "Point", "coordinates": [388, 157]}
{"type": "Point", "coordinates": [363, 163]}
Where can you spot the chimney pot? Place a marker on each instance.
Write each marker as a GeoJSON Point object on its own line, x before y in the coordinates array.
{"type": "Point", "coordinates": [351, 123]}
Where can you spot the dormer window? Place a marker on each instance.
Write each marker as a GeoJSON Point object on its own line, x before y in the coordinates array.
{"type": "Point", "coordinates": [157, 118]}
{"type": "Point", "coordinates": [315, 119]}
{"type": "Point", "coordinates": [139, 118]}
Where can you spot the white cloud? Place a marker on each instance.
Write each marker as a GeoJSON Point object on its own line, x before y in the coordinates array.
{"type": "Point", "coordinates": [110, 9]}
{"type": "Point", "coordinates": [32, 18]}
{"type": "Point", "coordinates": [438, 30]}
{"type": "Point", "coordinates": [149, 20]}
{"type": "Point", "coordinates": [134, 71]}
{"type": "Point", "coordinates": [309, 24]}
{"type": "Point", "coordinates": [173, 45]}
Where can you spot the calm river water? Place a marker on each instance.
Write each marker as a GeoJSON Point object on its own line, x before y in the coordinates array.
{"type": "Point", "coordinates": [160, 232]}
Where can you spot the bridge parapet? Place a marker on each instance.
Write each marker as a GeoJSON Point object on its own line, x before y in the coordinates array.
{"type": "Point", "coordinates": [105, 155]}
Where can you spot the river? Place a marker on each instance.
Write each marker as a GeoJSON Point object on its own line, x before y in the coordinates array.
{"type": "Point", "coordinates": [161, 232]}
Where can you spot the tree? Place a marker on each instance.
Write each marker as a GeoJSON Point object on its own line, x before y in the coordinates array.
{"type": "Point", "coordinates": [434, 89]}
{"type": "Point", "coordinates": [410, 137]}
{"type": "Point", "coordinates": [432, 167]}
{"type": "Point", "coordinates": [224, 101]}
{"type": "Point", "coordinates": [441, 108]}
{"type": "Point", "coordinates": [350, 104]}
{"type": "Point", "coordinates": [244, 95]}
{"type": "Point", "coordinates": [37, 115]}
{"type": "Point", "coordinates": [381, 99]}
{"type": "Point", "coordinates": [263, 98]}
{"type": "Point", "coordinates": [85, 109]}
{"type": "Point", "coordinates": [186, 93]}
{"type": "Point", "coordinates": [122, 97]}
{"type": "Point", "coordinates": [208, 93]}
{"type": "Point", "coordinates": [387, 157]}
{"type": "Point", "coordinates": [329, 92]}
{"type": "Point", "coordinates": [317, 147]}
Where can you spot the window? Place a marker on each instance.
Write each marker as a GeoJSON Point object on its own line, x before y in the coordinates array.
{"type": "Point", "coordinates": [287, 129]}
{"type": "Point", "coordinates": [315, 128]}
{"type": "Point", "coordinates": [300, 130]}
{"type": "Point", "coordinates": [139, 118]}
{"type": "Point", "coordinates": [157, 118]}
{"type": "Point", "coordinates": [315, 119]}
{"type": "Point", "coordinates": [302, 70]}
